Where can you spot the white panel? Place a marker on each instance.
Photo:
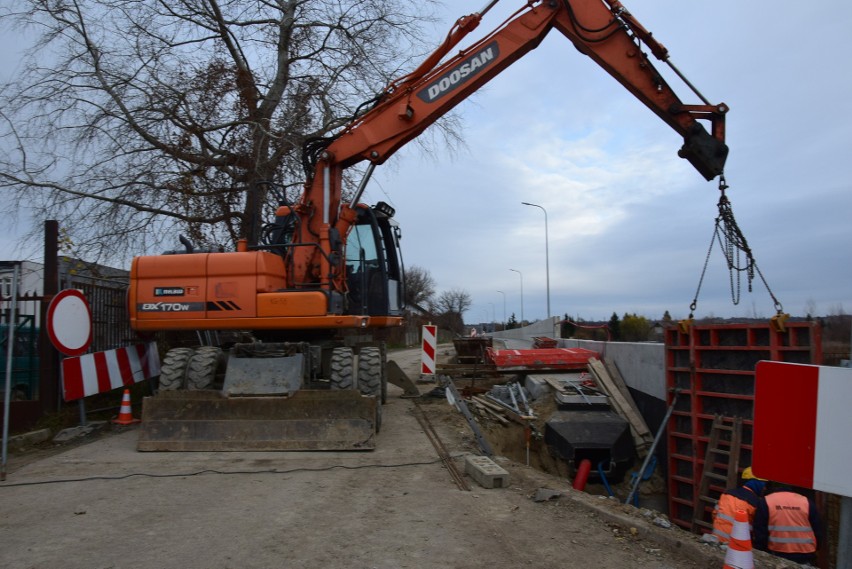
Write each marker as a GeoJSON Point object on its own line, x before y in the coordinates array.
{"type": "Point", "coordinates": [90, 375]}
{"type": "Point", "coordinates": [111, 358]}
{"type": "Point", "coordinates": [135, 364]}
{"type": "Point", "coordinates": [833, 453]}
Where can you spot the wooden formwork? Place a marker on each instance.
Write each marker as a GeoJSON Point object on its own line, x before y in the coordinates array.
{"type": "Point", "coordinates": [712, 367]}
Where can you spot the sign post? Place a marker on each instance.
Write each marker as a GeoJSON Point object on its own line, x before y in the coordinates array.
{"type": "Point", "coordinates": [10, 339]}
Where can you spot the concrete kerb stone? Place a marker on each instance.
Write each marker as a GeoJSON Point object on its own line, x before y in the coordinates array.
{"type": "Point", "coordinates": [486, 472]}
{"type": "Point", "coordinates": [29, 439]}
{"type": "Point", "coordinates": [77, 432]}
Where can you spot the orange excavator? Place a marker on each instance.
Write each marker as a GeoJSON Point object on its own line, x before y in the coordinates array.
{"type": "Point", "coordinates": [307, 298]}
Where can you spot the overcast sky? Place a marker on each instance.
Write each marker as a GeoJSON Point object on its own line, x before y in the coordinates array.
{"type": "Point", "coordinates": [629, 223]}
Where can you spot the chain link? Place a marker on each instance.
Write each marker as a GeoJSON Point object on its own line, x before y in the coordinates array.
{"type": "Point", "coordinates": [733, 244]}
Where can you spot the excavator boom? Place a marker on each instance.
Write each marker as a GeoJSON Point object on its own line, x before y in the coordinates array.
{"type": "Point", "coordinates": [604, 31]}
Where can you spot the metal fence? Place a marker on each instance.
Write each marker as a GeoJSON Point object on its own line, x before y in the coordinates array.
{"type": "Point", "coordinates": [110, 330]}
{"type": "Point", "coordinates": [110, 320]}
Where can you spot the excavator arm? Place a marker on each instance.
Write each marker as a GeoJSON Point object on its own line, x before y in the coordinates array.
{"type": "Point", "coordinates": [601, 29]}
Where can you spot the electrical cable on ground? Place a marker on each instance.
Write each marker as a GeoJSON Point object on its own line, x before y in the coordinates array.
{"type": "Point", "coordinates": [227, 472]}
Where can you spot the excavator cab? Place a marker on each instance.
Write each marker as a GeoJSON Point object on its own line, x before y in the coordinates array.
{"type": "Point", "coordinates": [374, 270]}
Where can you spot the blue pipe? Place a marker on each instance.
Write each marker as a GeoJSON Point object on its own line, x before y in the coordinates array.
{"type": "Point", "coordinates": [603, 478]}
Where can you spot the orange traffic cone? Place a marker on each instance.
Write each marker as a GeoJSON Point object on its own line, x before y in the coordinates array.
{"type": "Point", "coordinates": [739, 555]}
{"type": "Point", "coordinates": [125, 415]}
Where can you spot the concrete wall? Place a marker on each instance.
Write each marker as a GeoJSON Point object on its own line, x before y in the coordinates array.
{"type": "Point", "coordinates": [641, 364]}
{"type": "Point", "coordinates": [521, 338]}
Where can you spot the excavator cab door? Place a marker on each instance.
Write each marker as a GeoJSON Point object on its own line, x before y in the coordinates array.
{"type": "Point", "coordinates": [374, 264]}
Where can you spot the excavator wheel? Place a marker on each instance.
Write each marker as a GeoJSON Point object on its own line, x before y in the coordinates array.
{"type": "Point", "coordinates": [173, 368]}
{"type": "Point", "coordinates": [370, 378]}
{"type": "Point", "coordinates": [342, 361]}
{"type": "Point", "coordinates": [384, 375]}
{"type": "Point", "coordinates": [202, 368]}
{"type": "Point", "coordinates": [370, 371]}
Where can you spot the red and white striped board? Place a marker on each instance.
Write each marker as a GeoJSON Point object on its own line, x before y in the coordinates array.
{"type": "Point", "coordinates": [430, 349]}
{"type": "Point", "coordinates": [802, 422]}
{"type": "Point", "coordinates": [104, 371]}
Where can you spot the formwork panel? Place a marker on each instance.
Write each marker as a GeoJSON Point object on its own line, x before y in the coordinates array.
{"type": "Point", "coordinates": [712, 366]}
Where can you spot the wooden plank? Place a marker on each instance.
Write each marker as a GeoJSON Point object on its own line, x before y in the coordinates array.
{"type": "Point", "coordinates": [618, 380]}
{"type": "Point", "coordinates": [486, 403]}
{"type": "Point", "coordinates": [511, 415]}
{"type": "Point", "coordinates": [555, 384]}
{"type": "Point", "coordinates": [642, 436]}
{"type": "Point", "coordinates": [488, 412]}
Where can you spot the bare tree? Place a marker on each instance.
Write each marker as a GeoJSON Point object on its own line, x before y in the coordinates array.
{"type": "Point", "coordinates": [450, 307]}
{"type": "Point", "coordinates": [149, 116]}
{"type": "Point", "coordinates": [455, 301]}
{"type": "Point", "coordinates": [419, 286]}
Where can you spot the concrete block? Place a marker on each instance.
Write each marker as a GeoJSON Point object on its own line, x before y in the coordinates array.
{"type": "Point", "coordinates": [537, 387]}
{"type": "Point", "coordinates": [486, 472]}
{"type": "Point", "coordinates": [29, 439]}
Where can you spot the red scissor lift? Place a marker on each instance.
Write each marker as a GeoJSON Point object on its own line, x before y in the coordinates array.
{"type": "Point", "coordinates": [712, 366]}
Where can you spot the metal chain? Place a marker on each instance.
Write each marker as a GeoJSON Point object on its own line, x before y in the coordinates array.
{"type": "Point", "coordinates": [733, 243]}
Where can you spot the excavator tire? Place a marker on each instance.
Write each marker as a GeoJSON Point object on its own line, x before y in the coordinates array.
{"type": "Point", "coordinates": [342, 360]}
{"type": "Point", "coordinates": [384, 375]}
{"type": "Point", "coordinates": [202, 367]}
{"type": "Point", "coordinates": [370, 378]}
{"type": "Point", "coordinates": [173, 369]}
{"type": "Point", "coordinates": [370, 371]}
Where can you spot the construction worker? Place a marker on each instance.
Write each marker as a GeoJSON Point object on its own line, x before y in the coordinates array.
{"type": "Point", "coordinates": [786, 524]}
{"type": "Point", "coordinates": [745, 497]}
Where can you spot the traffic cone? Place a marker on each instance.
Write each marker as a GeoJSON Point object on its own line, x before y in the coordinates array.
{"type": "Point", "coordinates": [739, 554]}
{"type": "Point", "coordinates": [125, 415]}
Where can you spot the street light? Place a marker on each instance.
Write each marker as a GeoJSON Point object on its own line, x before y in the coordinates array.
{"type": "Point", "coordinates": [546, 253]}
{"type": "Point", "coordinates": [520, 274]}
{"type": "Point", "coordinates": [504, 308]}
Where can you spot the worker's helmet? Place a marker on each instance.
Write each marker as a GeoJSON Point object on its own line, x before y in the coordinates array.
{"type": "Point", "coordinates": [749, 475]}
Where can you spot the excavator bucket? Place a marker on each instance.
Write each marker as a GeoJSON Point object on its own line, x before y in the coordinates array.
{"type": "Point", "coordinates": [211, 421]}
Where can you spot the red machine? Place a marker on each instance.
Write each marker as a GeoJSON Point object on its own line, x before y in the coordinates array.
{"type": "Point", "coordinates": [326, 273]}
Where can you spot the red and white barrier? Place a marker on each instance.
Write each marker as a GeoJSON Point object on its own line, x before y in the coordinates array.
{"type": "Point", "coordinates": [801, 425]}
{"type": "Point", "coordinates": [104, 371]}
{"type": "Point", "coordinates": [430, 349]}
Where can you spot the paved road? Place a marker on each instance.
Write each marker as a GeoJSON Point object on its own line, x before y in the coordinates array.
{"type": "Point", "coordinates": [103, 505]}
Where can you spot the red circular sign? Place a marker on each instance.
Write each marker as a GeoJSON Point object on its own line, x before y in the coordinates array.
{"type": "Point", "coordinates": [69, 323]}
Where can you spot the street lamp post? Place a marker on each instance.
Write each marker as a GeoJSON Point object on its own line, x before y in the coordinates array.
{"type": "Point", "coordinates": [520, 274]}
{"type": "Point", "coordinates": [546, 253]}
{"type": "Point", "coordinates": [504, 308]}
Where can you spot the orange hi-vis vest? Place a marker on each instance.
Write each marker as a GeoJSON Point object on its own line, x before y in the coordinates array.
{"type": "Point", "coordinates": [724, 514]}
{"type": "Point", "coordinates": [789, 528]}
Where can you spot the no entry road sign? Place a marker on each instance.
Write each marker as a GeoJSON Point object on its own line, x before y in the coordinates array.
{"type": "Point", "coordinates": [69, 322]}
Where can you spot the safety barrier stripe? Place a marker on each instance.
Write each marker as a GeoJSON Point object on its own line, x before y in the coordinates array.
{"type": "Point", "coordinates": [104, 371]}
